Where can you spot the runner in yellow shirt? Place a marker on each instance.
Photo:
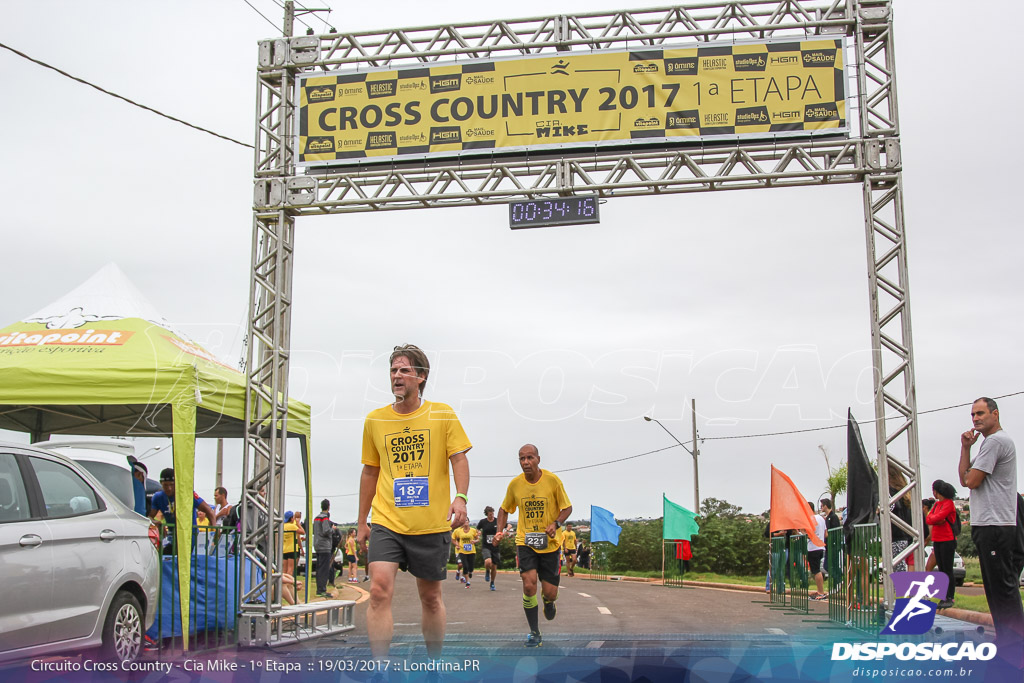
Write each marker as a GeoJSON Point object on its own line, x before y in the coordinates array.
{"type": "Point", "coordinates": [465, 546]}
{"type": "Point", "coordinates": [409, 450]}
{"type": "Point", "coordinates": [569, 548]}
{"type": "Point", "coordinates": [543, 507]}
{"type": "Point", "coordinates": [351, 557]}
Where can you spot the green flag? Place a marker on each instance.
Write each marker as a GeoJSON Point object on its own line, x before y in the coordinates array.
{"type": "Point", "coordinates": [680, 523]}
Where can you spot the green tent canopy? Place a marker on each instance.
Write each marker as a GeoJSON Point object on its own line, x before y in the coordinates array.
{"type": "Point", "coordinates": [100, 361]}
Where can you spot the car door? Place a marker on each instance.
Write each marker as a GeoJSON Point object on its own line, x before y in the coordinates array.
{"type": "Point", "coordinates": [87, 553]}
{"type": "Point", "coordinates": [26, 563]}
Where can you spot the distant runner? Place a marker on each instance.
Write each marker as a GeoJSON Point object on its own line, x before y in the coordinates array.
{"type": "Point", "coordinates": [544, 506]}
{"type": "Point", "coordinates": [465, 545]}
{"type": "Point", "coordinates": [488, 527]}
{"type": "Point", "coordinates": [569, 548]}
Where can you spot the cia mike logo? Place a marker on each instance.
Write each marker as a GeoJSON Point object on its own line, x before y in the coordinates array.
{"type": "Point", "coordinates": [914, 611]}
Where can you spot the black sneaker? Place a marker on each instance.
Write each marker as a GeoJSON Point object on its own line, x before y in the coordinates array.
{"type": "Point", "coordinates": [534, 639]}
{"type": "Point", "coordinates": [549, 610]}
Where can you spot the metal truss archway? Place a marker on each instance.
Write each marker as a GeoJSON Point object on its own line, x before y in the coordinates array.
{"type": "Point", "coordinates": [870, 156]}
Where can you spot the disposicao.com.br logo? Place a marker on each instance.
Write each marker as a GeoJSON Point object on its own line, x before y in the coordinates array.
{"type": "Point", "coordinates": [914, 614]}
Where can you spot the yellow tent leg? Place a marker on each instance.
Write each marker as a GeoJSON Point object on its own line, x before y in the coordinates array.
{"type": "Point", "coordinates": [184, 443]}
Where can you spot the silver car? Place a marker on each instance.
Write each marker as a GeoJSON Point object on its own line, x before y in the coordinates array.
{"type": "Point", "coordinates": [80, 570]}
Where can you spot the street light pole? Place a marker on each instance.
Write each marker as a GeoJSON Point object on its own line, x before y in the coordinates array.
{"type": "Point", "coordinates": [694, 453]}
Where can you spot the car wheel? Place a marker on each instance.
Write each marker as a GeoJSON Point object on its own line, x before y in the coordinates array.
{"type": "Point", "coordinates": [122, 631]}
{"type": "Point", "coordinates": [959, 582]}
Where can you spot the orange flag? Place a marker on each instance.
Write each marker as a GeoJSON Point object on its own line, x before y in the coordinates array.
{"type": "Point", "coordinates": [789, 507]}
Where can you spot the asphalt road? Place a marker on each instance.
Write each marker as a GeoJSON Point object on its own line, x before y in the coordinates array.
{"type": "Point", "coordinates": [592, 615]}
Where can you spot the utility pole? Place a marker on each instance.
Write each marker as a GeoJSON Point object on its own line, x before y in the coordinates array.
{"type": "Point", "coordinates": [219, 477]}
{"type": "Point", "coordinates": [696, 452]}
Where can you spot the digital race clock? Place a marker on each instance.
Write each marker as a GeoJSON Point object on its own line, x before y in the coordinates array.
{"type": "Point", "coordinates": [539, 213]}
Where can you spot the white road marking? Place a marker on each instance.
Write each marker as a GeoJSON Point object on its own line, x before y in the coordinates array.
{"type": "Point", "coordinates": [604, 610]}
{"type": "Point", "coordinates": [584, 595]}
{"type": "Point", "coordinates": [594, 644]}
{"type": "Point", "coordinates": [776, 631]}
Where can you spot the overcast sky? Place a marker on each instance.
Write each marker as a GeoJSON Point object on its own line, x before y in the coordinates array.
{"type": "Point", "coordinates": [753, 303]}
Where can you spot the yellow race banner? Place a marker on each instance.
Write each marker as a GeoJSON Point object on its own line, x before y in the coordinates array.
{"type": "Point", "coordinates": [574, 99]}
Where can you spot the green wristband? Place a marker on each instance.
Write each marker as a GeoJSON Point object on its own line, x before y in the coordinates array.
{"type": "Point", "coordinates": [463, 496]}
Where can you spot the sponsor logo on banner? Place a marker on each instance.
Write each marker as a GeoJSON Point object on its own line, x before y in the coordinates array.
{"type": "Point", "coordinates": [645, 68]}
{"type": "Point", "coordinates": [445, 83]}
{"type": "Point", "coordinates": [649, 122]}
{"type": "Point", "coordinates": [752, 116]}
{"type": "Point", "coordinates": [681, 66]}
{"type": "Point", "coordinates": [381, 140]}
{"type": "Point", "coordinates": [822, 58]}
{"type": "Point", "coordinates": [786, 115]}
{"type": "Point", "coordinates": [69, 337]}
{"type": "Point", "coordinates": [319, 144]}
{"type": "Point", "coordinates": [480, 133]}
{"type": "Point", "coordinates": [914, 614]}
{"type": "Point", "coordinates": [381, 88]}
{"type": "Point", "coordinates": [756, 62]}
{"type": "Point", "coordinates": [827, 111]}
{"type": "Point", "coordinates": [783, 59]}
{"type": "Point", "coordinates": [414, 138]}
{"type": "Point", "coordinates": [714, 63]}
{"type": "Point", "coordinates": [479, 80]}
{"type": "Point", "coordinates": [413, 85]}
{"type": "Point", "coordinates": [320, 93]}
{"type": "Point", "coordinates": [445, 135]}
{"type": "Point", "coordinates": [683, 119]}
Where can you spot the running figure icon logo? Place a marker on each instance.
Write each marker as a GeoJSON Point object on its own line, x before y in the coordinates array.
{"type": "Point", "coordinates": [914, 611]}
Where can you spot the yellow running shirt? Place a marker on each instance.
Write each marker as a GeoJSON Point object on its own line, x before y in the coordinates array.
{"type": "Point", "coordinates": [412, 453]}
{"type": "Point", "coordinates": [540, 503]}
{"type": "Point", "coordinates": [569, 540]}
{"type": "Point", "coordinates": [350, 546]}
{"type": "Point", "coordinates": [464, 541]}
{"type": "Point", "coordinates": [291, 530]}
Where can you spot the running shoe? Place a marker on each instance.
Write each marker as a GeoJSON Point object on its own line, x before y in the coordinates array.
{"type": "Point", "coordinates": [534, 639]}
{"type": "Point", "coordinates": [549, 610]}
{"type": "Point", "coordinates": [492, 586]}
{"type": "Point", "coordinates": [467, 584]}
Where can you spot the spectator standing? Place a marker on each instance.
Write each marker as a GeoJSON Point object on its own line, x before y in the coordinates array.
{"type": "Point", "coordinates": [941, 517]}
{"type": "Point", "coordinates": [323, 546]}
{"type": "Point", "coordinates": [992, 479]}
{"type": "Point", "coordinates": [815, 554]}
{"type": "Point", "coordinates": [290, 544]}
{"type": "Point", "coordinates": [221, 509]}
{"type": "Point", "coordinates": [900, 508]}
{"type": "Point", "coordinates": [163, 509]}
{"type": "Point", "coordinates": [139, 473]}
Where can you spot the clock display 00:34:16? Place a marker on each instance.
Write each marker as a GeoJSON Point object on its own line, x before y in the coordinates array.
{"type": "Point", "coordinates": [559, 211]}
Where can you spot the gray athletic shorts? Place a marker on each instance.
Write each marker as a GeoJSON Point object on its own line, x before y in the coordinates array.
{"type": "Point", "coordinates": [491, 555]}
{"type": "Point", "coordinates": [424, 556]}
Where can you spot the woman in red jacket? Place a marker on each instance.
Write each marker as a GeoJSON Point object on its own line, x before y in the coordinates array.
{"type": "Point", "coordinates": [943, 542]}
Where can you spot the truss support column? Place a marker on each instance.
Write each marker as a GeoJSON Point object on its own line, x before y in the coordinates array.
{"type": "Point", "coordinates": [267, 362]}
{"type": "Point", "coordinates": [889, 289]}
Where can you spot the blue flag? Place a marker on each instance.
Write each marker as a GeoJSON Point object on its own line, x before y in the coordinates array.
{"type": "Point", "coordinates": [603, 526]}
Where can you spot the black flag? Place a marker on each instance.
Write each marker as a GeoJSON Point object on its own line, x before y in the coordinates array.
{"type": "Point", "coordinates": [861, 481]}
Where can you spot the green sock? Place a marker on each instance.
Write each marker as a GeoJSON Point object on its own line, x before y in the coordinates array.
{"type": "Point", "coordinates": [530, 607]}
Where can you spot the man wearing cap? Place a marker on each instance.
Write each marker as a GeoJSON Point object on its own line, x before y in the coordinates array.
{"type": "Point", "coordinates": [163, 504]}
{"type": "Point", "coordinates": [409, 448]}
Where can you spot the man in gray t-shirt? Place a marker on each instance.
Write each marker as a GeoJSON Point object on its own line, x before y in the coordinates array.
{"type": "Point", "coordinates": [992, 479]}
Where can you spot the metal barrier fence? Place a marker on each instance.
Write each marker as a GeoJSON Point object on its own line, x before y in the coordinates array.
{"type": "Point", "coordinates": [799, 574]}
{"type": "Point", "coordinates": [863, 580]}
{"type": "Point", "coordinates": [213, 593]}
{"type": "Point", "coordinates": [778, 567]}
{"type": "Point", "coordinates": [835, 558]}
{"type": "Point", "coordinates": [600, 553]}
{"type": "Point", "coordinates": [675, 567]}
